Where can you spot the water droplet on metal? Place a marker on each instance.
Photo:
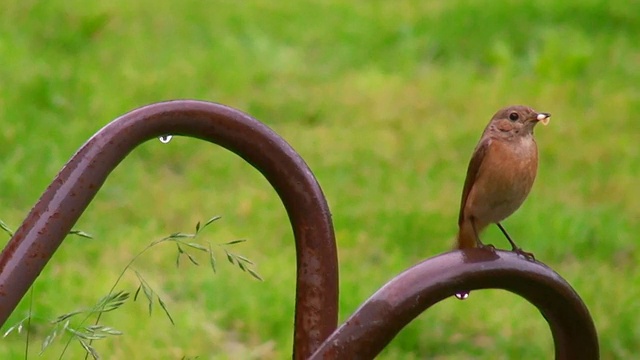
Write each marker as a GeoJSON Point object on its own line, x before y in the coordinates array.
{"type": "Point", "coordinates": [462, 295]}
{"type": "Point", "coordinates": [165, 138]}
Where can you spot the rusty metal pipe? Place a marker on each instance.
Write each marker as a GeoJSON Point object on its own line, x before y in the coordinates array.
{"type": "Point", "coordinates": [74, 187]}
{"type": "Point", "coordinates": [402, 299]}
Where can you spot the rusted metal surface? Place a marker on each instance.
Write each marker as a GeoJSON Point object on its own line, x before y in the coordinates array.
{"type": "Point", "coordinates": [398, 302]}
{"type": "Point", "coordinates": [374, 324]}
{"type": "Point", "coordinates": [74, 187]}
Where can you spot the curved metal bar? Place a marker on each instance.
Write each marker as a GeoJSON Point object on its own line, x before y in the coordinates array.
{"type": "Point", "coordinates": [74, 187]}
{"type": "Point", "coordinates": [402, 299]}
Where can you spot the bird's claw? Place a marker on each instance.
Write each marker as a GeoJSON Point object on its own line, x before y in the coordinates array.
{"type": "Point", "coordinates": [486, 246]}
{"type": "Point", "coordinates": [527, 255]}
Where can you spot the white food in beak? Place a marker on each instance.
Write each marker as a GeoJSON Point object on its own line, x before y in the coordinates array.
{"type": "Point", "coordinates": [543, 118]}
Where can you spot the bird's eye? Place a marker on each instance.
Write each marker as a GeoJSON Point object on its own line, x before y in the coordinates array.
{"type": "Point", "coordinates": [514, 116]}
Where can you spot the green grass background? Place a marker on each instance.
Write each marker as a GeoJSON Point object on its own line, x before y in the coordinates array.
{"type": "Point", "coordinates": [385, 100]}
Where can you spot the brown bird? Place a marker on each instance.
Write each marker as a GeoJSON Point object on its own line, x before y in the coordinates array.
{"type": "Point", "coordinates": [500, 174]}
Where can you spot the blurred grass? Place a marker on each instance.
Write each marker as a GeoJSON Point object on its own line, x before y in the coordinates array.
{"type": "Point", "coordinates": [385, 101]}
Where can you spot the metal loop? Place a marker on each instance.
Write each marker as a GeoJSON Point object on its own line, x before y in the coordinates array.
{"type": "Point", "coordinates": [403, 298]}
{"type": "Point", "coordinates": [74, 187]}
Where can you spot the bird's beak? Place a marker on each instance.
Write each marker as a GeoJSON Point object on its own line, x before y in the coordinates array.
{"type": "Point", "coordinates": [543, 118]}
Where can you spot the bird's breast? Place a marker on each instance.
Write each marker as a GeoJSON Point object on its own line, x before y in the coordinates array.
{"type": "Point", "coordinates": [505, 178]}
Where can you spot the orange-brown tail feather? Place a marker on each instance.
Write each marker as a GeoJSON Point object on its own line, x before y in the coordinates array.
{"type": "Point", "coordinates": [466, 237]}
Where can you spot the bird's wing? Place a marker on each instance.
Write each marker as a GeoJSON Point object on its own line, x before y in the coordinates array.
{"type": "Point", "coordinates": [472, 173]}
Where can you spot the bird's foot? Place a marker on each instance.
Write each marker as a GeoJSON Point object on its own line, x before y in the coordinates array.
{"type": "Point", "coordinates": [527, 255]}
{"type": "Point", "coordinates": [485, 246]}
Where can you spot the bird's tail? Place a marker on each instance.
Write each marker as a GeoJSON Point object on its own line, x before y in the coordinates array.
{"type": "Point", "coordinates": [466, 237]}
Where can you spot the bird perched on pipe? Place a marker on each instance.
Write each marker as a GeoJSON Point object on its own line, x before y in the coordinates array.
{"type": "Point", "coordinates": [500, 174]}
